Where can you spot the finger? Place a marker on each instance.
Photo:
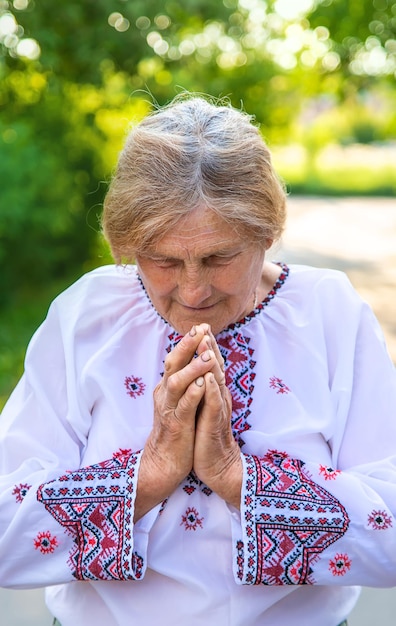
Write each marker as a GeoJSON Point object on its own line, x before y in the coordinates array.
{"type": "Point", "coordinates": [216, 350]}
{"type": "Point", "coordinates": [184, 351]}
{"type": "Point", "coordinates": [176, 385]}
{"type": "Point", "coordinates": [188, 403]}
{"type": "Point", "coordinates": [215, 411]}
{"type": "Point", "coordinates": [209, 342]}
{"type": "Point", "coordinates": [218, 361]}
{"type": "Point", "coordinates": [175, 416]}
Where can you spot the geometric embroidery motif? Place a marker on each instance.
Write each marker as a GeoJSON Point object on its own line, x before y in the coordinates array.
{"type": "Point", "coordinates": [289, 520]}
{"type": "Point", "coordinates": [94, 504]}
{"type": "Point", "coordinates": [239, 374]}
{"type": "Point", "coordinates": [239, 362]}
{"type": "Point", "coordinates": [239, 365]}
{"type": "Point", "coordinates": [174, 339]}
{"type": "Point", "coordinates": [192, 483]}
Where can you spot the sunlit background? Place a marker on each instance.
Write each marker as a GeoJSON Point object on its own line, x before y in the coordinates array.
{"type": "Point", "coordinates": [319, 75]}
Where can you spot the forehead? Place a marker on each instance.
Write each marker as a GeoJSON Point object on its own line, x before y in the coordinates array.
{"type": "Point", "coordinates": [200, 233]}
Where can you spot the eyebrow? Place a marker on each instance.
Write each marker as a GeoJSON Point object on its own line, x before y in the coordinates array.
{"type": "Point", "coordinates": [222, 252]}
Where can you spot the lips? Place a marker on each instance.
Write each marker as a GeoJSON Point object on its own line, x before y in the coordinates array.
{"type": "Point", "coordinates": [198, 309]}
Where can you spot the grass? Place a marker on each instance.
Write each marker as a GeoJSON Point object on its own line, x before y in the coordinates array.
{"type": "Point", "coordinates": [334, 170]}
{"type": "Point", "coordinates": [338, 170]}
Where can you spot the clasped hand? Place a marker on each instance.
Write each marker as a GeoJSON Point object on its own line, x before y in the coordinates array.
{"type": "Point", "coordinates": [192, 425]}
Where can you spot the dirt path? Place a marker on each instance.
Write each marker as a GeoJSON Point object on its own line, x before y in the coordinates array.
{"type": "Point", "coordinates": [356, 235]}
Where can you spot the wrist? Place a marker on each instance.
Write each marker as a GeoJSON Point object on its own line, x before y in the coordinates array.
{"type": "Point", "coordinates": [227, 482]}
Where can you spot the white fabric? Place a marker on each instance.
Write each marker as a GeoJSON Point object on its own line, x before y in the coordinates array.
{"type": "Point", "coordinates": [313, 383]}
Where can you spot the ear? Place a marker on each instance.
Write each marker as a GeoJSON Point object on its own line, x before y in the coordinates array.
{"type": "Point", "coordinates": [268, 244]}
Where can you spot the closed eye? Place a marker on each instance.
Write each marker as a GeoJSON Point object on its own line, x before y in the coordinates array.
{"type": "Point", "coordinates": [213, 260]}
{"type": "Point", "coordinates": [165, 262]}
{"type": "Point", "coordinates": [216, 260]}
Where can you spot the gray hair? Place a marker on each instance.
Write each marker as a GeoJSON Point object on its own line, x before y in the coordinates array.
{"type": "Point", "coordinates": [192, 153]}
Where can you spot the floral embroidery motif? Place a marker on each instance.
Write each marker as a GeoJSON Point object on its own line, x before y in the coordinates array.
{"type": "Point", "coordinates": [94, 504]}
{"type": "Point", "coordinates": [289, 520]}
{"type": "Point", "coordinates": [340, 564]}
{"type": "Point", "coordinates": [45, 542]}
{"type": "Point", "coordinates": [20, 491]}
{"type": "Point", "coordinates": [380, 520]}
{"type": "Point", "coordinates": [328, 472]}
{"type": "Point", "coordinates": [279, 385]}
{"type": "Point", "coordinates": [191, 519]}
{"type": "Point", "coordinates": [135, 386]}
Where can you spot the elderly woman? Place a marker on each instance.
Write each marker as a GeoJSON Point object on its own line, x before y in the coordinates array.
{"type": "Point", "coordinates": [205, 437]}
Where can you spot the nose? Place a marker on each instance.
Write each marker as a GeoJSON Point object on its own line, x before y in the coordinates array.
{"type": "Point", "coordinates": [194, 288]}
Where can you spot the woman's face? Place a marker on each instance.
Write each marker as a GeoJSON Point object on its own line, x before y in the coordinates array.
{"type": "Point", "coordinates": [201, 271]}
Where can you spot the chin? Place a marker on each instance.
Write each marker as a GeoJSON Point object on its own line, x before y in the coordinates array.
{"type": "Point", "coordinates": [184, 326]}
{"type": "Point", "coordinates": [184, 320]}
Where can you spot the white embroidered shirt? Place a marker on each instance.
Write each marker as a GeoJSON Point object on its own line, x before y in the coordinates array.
{"type": "Point", "coordinates": [314, 408]}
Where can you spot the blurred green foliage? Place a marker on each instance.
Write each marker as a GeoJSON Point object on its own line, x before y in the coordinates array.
{"type": "Point", "coordinates": [318, 75]}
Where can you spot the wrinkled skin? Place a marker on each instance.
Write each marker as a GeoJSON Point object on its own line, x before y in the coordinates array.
{"type": "Point", "coordinates": [201, 277]}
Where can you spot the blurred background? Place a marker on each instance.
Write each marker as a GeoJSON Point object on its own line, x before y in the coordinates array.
{"type": "Point", "coordinates": [319, 76]}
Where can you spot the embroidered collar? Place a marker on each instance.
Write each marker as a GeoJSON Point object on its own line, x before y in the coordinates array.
{"type": "Point", "coordinates": [256, 311]}
{"type": "Point", "coordinates": [270, 296]}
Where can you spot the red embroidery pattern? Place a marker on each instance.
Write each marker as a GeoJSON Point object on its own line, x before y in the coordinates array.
{"type": "Point", "coordinates": [270, 296]}
{"type": "Point", "coordinates": [135, 386]}
{"type": "Point", "coordinates": [289, 520]}
{"type": "Point", "coordinates": [328, 472]}
{"type": "Point", "coordinates": [192, 483]}
{"type": "Point", "coordinates": [45, 542]}
{"type": "Point", "coordinates": [340, 564]}
{"type": "Point", "coordinates": [191, 519]}
{"type": "Point", "coordinates": [174, 339]}
{"type": "Point", "coordinates": [279, 385]}
{"type": "Point", "coordinates": [94, 504]}
{"type": "Point", "coordinates": [239, 366]}
{"type": "Point", "coordinates": [163, 505]}
{"type": "Point", "coordinates": [122, 455]}
{"type": "Point", "coordinates": [380, 520]}
{"type": "Point", "coordinates": [20, 491]}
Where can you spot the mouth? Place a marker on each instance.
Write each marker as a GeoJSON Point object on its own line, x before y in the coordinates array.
{"type": "Point", "coordinates": [198, 309]}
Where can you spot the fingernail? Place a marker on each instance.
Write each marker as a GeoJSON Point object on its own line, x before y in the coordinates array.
{"type": "Point", "coordinates": [206, 356]}
{"type": "Point", "coordinates": [193, 332]}
{"type": "Point", "coordinates": [200, 381]}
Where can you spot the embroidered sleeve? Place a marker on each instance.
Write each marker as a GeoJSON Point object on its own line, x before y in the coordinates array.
{"type": "Point", "coordinates": [95, 506]}
{"type": "Point", "coordinates": [288, 520]}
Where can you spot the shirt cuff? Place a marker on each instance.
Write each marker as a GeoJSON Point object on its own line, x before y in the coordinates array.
{"type": "Point", "coordinates": [95, 505]}
{"type": "Point", "coordinates": [286, 521]}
